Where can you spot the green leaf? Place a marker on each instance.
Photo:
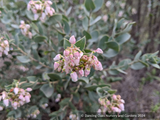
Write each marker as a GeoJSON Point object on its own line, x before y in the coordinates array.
{"type": "Point", "coordinates": [56, 113]}
{"type": "Point", "coordinates": [98, 4]}
{"type": "Point", "coordinates": [54, 76]}
{"type": "Point", "coordinates": [11, 113]}
{"type": "Point", "coordinates": [95, 35]}
{"type": "Point", "coordinates": [34, 26]}
{"type": "Point", "coordinates": [30, 15]}
{"type": "Point", "coordinates": [128, 28]}
{"type": "Point", "coordinates": [93, 96]}
{"type": "Point", "coordinates": [88, 36]}
{"type": "Point", "coordinates": [40, 28]}
{"type": "Point", "coordinates": [156, 66]}
{"type": "Point", "coordinates": [65, 18]}
{"type": "Point", "coordinates": [62, 33]}
{"type": "Point", "coordinates": [16, 113]}
{"type": "Point", "coordinates": [102, 42]}
{"type": "Point", "coordinates": [6, 35]}
{"type": "Point", "coordinates": [114, 28]}
{"type": "Point", "coordinates": [64, 102]}
{"type": "Point", "coordinates": [54, 5]}
{"type": "Point", "coordinates": [120, 23]}
{"type": "Point", "coordinates": [113, 45]}
{"type": "Point", "coordinates": [23, 59]}
{"type": "Point", "coordinates": [123, 38]}
{"type": "Point", "coordinates": [32, 109]}
{"type": "Point", "coordinates": [81, 43]}
{"type": "Point", "coordinates": [93, 87]}
{"type": "Point", "coordinates": [125, 63]}
{"type": "Point", "coordinates": [1, 8]}
{"type": "Point", "coordinates": [113, 72]}
{"type": "Point", "coordinates": [98, 91]}
{"type": "Point", "coordinates": [152, 60]}
{"type": "Point", "coordinates": [110, 53]}
{"type": "Point", "coordinates": [87, 50]}
{"type": "Point", "coordinates": [114, 79]}
{"type": "Point", "coordinates": [66, 43]}
{"type": "Point", "coordinates": [21, 4]}
{"type": "Point", "coordinates": [39, 39]}
{"type": "Point", "coordinates": [66, 26]}
{"type": "Point", "coordinates": [55, 18]}
{"type": "Point", "coordinates": [84, 79]}
{"type": "Point", "coordinates": [91, 72]}
{"type": "Point", "coordinates": [137, 66]}
{"type": "Point", "coordinates": [47, 90]}
{"type": "Point", "coordinates": [32, 78]}
{"type": "Point", "coordinates": [68, 11]}
{"type": "Point", "coordinates": [112, 91]}
{"type": "Point", "coordinates": [138, 55]}
{"type": "Point", "coordinates": [119, 70]}
{"type": "Point", "coordinates": [66, 84]}
{"type": "Point", "coordinates": [89, 4]}
{"type": "Point", "coordinates": [85, 23]}
{"type": "Point", "coordinates": [15, 26]}
{"type": "Point", "coordinates": [45, 76]}
{"type": "Point", "coordinates": [144, 63]}
{"type": "Point", "coordinates": [95, 20]}
{"type": "Point", "coordinates": [16, 37]}
{"type": "Point", "coordinates": [85, 11]}
{"type": "Point", "coordinates": [27, 85]}
{"type": "Point", "coordinates": [71, 105]}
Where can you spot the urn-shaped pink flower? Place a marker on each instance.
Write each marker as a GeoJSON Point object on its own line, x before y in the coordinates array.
{"type": "Point", "coordinates": [16, 90]}
{"type": "Point", "coordinates": [87, 72]}
{"type": "Point", "coordinates": [114, 97]}
{"type": "Point", "coordinates": [81, 72]}
{"type": "Point", "coordinates": [6, 102]}
{"type": "Point", "coordinates": [57, 57]}
{"type": "Point", "coordinates": [27, 99]}
{"type": "Point", "coordinates": [74, 76]}
{"type": "Point", "coordinates": [72, 40]}
{"type": "Point", "coordinates": [121, 106]}
{"type": "Point", "coordinates": [29, 89]}
{"type": "Point", "coordinates": [56, 65]}
{"type": "Point", "coordinates": [99, 51]}
{"type": "Point", "coordinates": [66, 53]}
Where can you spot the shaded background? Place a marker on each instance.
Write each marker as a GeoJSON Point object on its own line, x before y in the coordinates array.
{"type": "Point", "coordinates": [140, 89]}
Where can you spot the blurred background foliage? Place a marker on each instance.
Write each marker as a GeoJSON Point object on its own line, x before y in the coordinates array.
{"type": "Point", "coordinates": [122, 28]}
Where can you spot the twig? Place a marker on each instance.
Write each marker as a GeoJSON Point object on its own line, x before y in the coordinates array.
{"type": "Point", "coordinates": [39, 83]}
{"type": "Point", "coordinates": [61, 27]}
{"type": "Point", "coordinates": [47, 43]}
{"type": "Point", "coordinates": [72, 97]}
{"type": "Point", "coordinates": [50, 46]}
{"type": "Point", "coordinates": [30, 56]}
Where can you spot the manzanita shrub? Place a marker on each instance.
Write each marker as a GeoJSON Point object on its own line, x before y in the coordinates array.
{"type": "Point", "coordinates": [62, 53]}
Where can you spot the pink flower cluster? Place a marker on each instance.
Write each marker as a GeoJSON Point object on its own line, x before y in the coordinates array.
{"type": "Point", "coordinates": [25, 29]}
{"type": "Point", "coordinates": [4, 46]}
{"type": "Point", "coordinates": [75, 62]}
{"type": "Point", "coordinates": [115, 105]}
{"type": "Point", "coordinates": [16, 96]}
{"type": "Point", "coordinates": [34, 114]}
{"type": "Point", "coordinates": [41, 9]}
